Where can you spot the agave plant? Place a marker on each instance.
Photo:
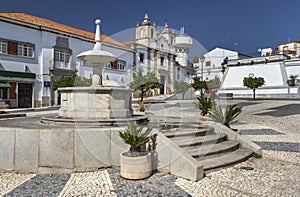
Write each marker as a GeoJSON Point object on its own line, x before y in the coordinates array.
{"type": "Point", "coordinates": [136, 136]}
{"type": "Point", "coordinates": [204, 104]}
{"type": "Point", "coordinates": [231, 112]}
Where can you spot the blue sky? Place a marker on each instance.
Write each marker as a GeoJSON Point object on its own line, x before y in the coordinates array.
{"type": "Point", "coordinates": [253, 24]}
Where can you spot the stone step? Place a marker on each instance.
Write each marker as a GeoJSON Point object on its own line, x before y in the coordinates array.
{"type": "Point", "coordinates": [207, 151]}
{"type": "Point", "coordinates": [232, 158]}
{"type": "Point", "coordinates": [187, 132]}
{"type": "Point", "coordinates": [169, 126]}
{"type": "Point", "coordinates": [189, 141]}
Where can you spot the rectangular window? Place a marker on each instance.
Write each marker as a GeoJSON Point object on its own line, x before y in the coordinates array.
{"type": "Point", "coordinates": [25, 50]}
{"type": "Point", "coordinates": [208, 63]}
{"type": "Point", "coordinates": [107, 66]}
{"type": "Point", "coordinates": [121, 65]}
{"type": "Point", "coordinates": [162, 59]}
{"type": "Point", "coordinates": [3, 93]}
{"type": "Point", "coordinates": [3, 46]}
{"type": "Point", "coordinates": [62, 58]}
{"type": "Point", "coordinates": [142, 57]}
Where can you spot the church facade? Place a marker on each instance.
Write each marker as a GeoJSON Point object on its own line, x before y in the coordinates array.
{"type": "Point", "coordinates": [156, 51]}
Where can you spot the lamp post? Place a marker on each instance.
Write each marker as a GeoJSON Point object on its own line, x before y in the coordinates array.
{"type": "Point", "coordinates": [202, 59]}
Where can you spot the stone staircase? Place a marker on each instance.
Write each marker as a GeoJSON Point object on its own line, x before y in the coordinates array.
{"type": "Point", "coordinates": [212, 150]}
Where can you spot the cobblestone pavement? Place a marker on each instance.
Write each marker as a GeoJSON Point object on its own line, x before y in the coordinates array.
{"type": "Point", "coordinates": [274, 125]}
{"type": "Point", "coordinates": [9, 181]}
{"type": "Point", "coordinates": [159, 184]}
{"type": "Point", "coordinates": [89, 184]}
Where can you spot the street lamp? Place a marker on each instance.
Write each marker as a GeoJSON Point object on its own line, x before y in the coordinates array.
{"type": "Point", "coordinates": [202, 59]}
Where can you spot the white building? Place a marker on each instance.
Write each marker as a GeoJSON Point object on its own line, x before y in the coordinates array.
{"type": "Point", "coordinates": [156, 51]}
{"type": "Point", "coordinates": [275, 70]}
{"type": "Point", "coordinates": [291, 49]}
{"type": "Point", "coordinates": [35, 51]}
{"type": "Point", "coordinates": [211, 65]}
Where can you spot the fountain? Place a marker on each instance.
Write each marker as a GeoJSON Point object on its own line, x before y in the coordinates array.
{"type": "Point", "coordinates": [95, 105]}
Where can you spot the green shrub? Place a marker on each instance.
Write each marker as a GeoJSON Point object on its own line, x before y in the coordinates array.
{"type": "Point", "coordinates": [256, 155]}
{"type": "Point", "coordinates": [231, 112]}
{"type": "Point", "coordinates": [204, 104]}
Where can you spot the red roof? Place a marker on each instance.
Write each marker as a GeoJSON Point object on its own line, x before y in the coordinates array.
{"type": "Point", "coordinates": [187, 67]}
{"type": "Point", "coordinates": [42, 22]}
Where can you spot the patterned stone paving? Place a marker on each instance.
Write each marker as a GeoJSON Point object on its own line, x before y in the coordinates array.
{"type": "Point", "coordinates": [276, 174]}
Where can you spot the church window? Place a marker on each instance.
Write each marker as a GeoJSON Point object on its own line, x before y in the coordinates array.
{"type": "Point", "coordinates": [152, 33]}
{"type": "Point", "coordinates": [162, 61]}
{"type": "Point", "coordinates": [142, 33]}
{"type": "Point", "coordinates": [142, 57]}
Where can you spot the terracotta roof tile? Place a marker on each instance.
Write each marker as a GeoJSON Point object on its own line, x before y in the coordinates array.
{"type": "Point", "coordinates": [34, 20]}
{"type": "Point", "coordinates": [187, 67]}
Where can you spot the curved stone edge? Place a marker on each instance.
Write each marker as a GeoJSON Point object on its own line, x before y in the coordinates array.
{"type": "Point", "coordinates": [244, 141]}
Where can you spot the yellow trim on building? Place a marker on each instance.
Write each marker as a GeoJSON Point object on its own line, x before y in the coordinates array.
{"type": "Point", "coordinates": [155, 62]}
{"type": "Point", "coordinates": [169, 74]}
{"type": "Point", "coordinates": [296, 48]}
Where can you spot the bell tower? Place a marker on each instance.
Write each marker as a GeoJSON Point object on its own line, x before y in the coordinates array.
{"type": "Point", "coordinates": [145, 31]}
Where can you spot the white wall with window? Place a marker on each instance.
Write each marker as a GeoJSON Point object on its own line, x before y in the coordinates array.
{"type": "Point", "coordinates": [3, 46]}
{"type": "Point", "coordinates": [35, 51]}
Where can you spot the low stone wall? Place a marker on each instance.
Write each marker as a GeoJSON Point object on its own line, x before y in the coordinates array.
{"type": "Point", "coordinates": [81, 149]}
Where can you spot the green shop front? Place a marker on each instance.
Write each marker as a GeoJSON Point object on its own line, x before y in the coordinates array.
{"type": "Point", "coordinates": [17, 89]}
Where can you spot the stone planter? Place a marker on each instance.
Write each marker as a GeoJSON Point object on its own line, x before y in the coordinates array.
{"type": "Point", "coordinates": [138, 167]}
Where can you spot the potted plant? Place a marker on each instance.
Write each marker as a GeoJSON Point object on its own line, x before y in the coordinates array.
{"type": "Point", "coordinates": [137, 162]}
{"type": "Point", "coordinates": [231, 112]}
{"type": "Point", "coordinates": [292, 80]}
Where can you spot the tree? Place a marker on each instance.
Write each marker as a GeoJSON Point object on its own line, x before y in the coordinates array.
{"type": "Point", "coordinates": [144, 83]}
{"type": "Point", "coordinates": [180, 86]}
{"type": "Point", "coordinates": [73, 81]}
{"type": "Point", "coordinates": [199, 85]}
{"type": "Point", "coordinates": [253, 83]}
{"type": "Point", "coordinates": [214, 83]}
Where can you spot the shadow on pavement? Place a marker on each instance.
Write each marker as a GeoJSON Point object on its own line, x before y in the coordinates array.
{"type": "Point", "coordinates": [285, 110]}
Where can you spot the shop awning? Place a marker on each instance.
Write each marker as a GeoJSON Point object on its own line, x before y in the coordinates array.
{"type": "Point", "coordinates": [5, 85]}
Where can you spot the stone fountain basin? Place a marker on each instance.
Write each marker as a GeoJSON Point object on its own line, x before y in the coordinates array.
{"type": "Point", "coordinates": [95, 103]}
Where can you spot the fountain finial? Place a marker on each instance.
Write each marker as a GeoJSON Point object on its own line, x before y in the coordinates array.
{"type": "Point", "coordinates": [98, 35]}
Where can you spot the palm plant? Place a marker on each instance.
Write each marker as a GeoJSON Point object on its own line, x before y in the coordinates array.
{"type": "Point", "coordinates": [204, 104]}
{"type": "Point", "coordinates": [136, 136]}
{"type": "Point", "coordinates": [231, 112]}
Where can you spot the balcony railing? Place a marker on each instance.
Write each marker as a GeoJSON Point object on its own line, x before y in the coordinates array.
{"type": "Point", "coordinates": [61, 65]}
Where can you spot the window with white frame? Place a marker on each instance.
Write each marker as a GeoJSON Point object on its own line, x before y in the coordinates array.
{"type": "Point", "coordinates": [3, 46]}
{"type": "Point", "coordinates": [62, 56]}
{"type": "Point", "coordinates": [16, 48]}
{"type": "Point", "coordinates": [107, 66]}
{"type": "Point", "coordinates": [121, 65]}
{"type": "Point", "coordinates": [25, 50]}
{"type": "Point", "coordinates": [208, 63]}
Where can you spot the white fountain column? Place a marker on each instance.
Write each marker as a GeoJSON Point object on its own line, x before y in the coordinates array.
{"type": "Point", "coordinates": [97, 68]}
{"type": "Point", "coordinates": [97, 57]}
